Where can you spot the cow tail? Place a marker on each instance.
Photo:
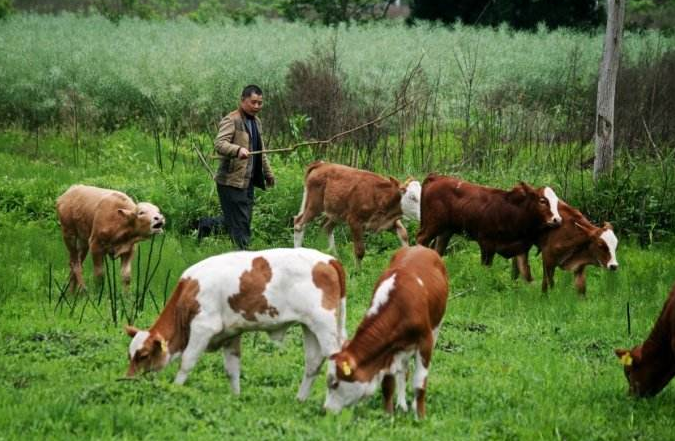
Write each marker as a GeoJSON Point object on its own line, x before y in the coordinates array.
{"type": "Point", "coordinates": [341, 310]}
{"type": "Point", "coordinates": [309, 170]}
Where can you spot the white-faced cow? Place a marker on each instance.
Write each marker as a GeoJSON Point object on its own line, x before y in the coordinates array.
{"type": "Point", "coordinates": [502, 222]}
{"type": "Point", "coordinates": [649, 367]}
{"type": "Point", "coordinates": [219, 298]}
{"type": "Point", "coordinates": [364, 200]}
{"type": "Point", "coordinates": [574, 245]}
{"type": "Point", "coordinates": [403, 320]}
{"type": "Point", "coordinates": [104, 222]}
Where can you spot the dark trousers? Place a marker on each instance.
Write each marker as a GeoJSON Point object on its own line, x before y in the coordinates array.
{"type": "Point", "coordinates": [237, 207]}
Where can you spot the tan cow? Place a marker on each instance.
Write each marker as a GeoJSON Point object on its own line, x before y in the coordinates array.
{"type": "Point", "coordinates": [365, 201]}
{"type": "Point", "coordinates": [104, 222]}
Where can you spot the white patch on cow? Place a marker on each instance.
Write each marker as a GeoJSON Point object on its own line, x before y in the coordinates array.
{"type": "Point", "coordinates": [420, 281]}
{"type": "Point", "coordinates": [553, 203]}
{"type": "Point", "coordinates": [137, 342]}
{"type": "Point", "coordinates": [381, 295]}
{"type": "Point", "coordinates": [610, 239]}
{"type": "Point", "coordinates": [344, 393]}
{"type": "Point", "coordinates": [410, 201]}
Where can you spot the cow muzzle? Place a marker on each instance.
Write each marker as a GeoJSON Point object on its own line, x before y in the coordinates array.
{"type": "Point", "coordinates": [556, 221]}
{"type": "Point", "coordinates": [613, 266]}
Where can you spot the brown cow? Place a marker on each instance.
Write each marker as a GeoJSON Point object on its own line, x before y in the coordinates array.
{"type": "Point", "coordinates": [502, 222]}
{"type": "Point", "coordinates": [403, 320]}
{"type": "Point", "coordinates": [572, 246]}
{"type": "Point", "coordinates": [364, 200]}
{"type": "Point", "coordinates": [650, 366]}
{"type": "Point", "coordinates": [104, 222]}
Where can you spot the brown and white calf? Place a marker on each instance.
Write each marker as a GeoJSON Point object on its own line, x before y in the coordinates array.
{"type": "Point", "coordinates": [365, 201]}
{"type": "Point", "coordinates": [649, 367]}
{"type": "Point", "coordinates": [104, 222]}
{"type": "Point", "coordinates": [219, 298]}
{"type": "Point", "coordinates": [502, 222]}
{"type": "Point", "coordinates": [403, 320]}
{"type": "Point", "coordinates": [572, 246]}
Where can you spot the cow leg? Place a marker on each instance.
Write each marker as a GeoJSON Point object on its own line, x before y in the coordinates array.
{"type": "Point", "coordinates": [311, 208]}
{"type": "Point", "coordinates": [388, 389]}
{"type": "Point", "coordinates": [328, 227]}
{"type": "Point", "coordinates": [125, 268]}
{"type": "Point", "coordinates": [75, 263]}
{"type": "Point", "coordinates": [580, 280]}
{"type": "Point", "coordinates": [422, 360]}
{"type": "Point", "coordinates": [232, 362]}
{"type": "Point", "coordinates": [199, 340]}
{"type": "Point", "coordinates": [97, 256]}
{"type": "Point", "coordinates": [425, 236]}
{"type": "Point", "coordinates": [549, 270]}
{"type": "Point", "coordinates": [359, 246]}
{"type": "Point", "coordinates": [401, 232]}
{"type": "Point", "coordinates": [313, 361]}
{"type": "Point", "coordinates": [486, 256]}
{"type": "Point", "coordinates": [442, 241]}
{"type": "Point", "coordinates": [521, 266]}
{"type": "Point", "coordinates": [400, 389]}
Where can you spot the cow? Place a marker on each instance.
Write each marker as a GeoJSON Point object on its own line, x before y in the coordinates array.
{"type": "Point", "coordinates": [104, 222]}
{"type": "Point", "coordinates": [650, 366]}
{"type": "Point", "coordinates": [219, 298]}
{"type": "Point", "coordinates": [364, 200]}
{"type": "Point", "coordinates": [572, 246]}
{"type": "Point", "coordinates": [502, 222]}
{"type": "Point", "coordinates": [403, 320]}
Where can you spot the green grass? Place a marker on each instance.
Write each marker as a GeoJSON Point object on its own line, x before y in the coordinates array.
{"type": "Point", "coordinates": [510, 362]}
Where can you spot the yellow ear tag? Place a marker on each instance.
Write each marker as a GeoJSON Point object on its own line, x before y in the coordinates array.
{"type": "Point", "coordinates": [626, 359]}
{"type": "Point", "coordinates": [346, 369]}
{"type": "Point", "coordinates": [165, 346]}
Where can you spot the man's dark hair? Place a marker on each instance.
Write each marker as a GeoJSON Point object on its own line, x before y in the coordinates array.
{"type": "Point", "coordinates": [250, 90]}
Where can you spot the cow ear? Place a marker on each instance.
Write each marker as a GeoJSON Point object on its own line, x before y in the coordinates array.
{"type": "Point", "coordinates": [131, 330]}
{"type": "Point", "coordinates": [395, 181]}
{"type": "Point", "coordinates": [584, 228]}
{"type": "Point", "coordinates": [127, 214]}
{"type": "Point", "coordinates": [526, 187]}
{"type": "Point", "coordinates": [607, 226]}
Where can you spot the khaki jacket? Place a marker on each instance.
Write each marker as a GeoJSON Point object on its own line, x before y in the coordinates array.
{"type": "Point", "coordinates": [232, 135]}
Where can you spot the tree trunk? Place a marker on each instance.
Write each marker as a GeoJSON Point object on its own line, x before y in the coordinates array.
{"type": "Point", "coordinates": [609, 66]}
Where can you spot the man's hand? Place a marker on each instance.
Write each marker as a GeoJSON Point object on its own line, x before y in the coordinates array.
{"type": "Point", "coordinates": [269, 180]}
{"type": "Point", "coordinates": [242, 153]}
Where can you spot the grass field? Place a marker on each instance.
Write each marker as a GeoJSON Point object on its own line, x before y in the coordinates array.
{"type": "Point", "coordinates": [510, 362]}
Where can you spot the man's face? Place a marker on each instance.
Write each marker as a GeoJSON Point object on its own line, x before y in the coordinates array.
{"type": "Point", "coordinates": [252, 104]}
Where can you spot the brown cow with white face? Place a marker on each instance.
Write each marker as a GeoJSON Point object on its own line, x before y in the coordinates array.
{"type": "Point", "coordinates": [104, 222]}
{"type": "Point", "coordinates": [364, 200]}
{"type": "Point", "coordinates": [502, 222]}
{"type": "Point", "coordinates": [574, 245]}
{"type": "Point", "coordinates": [403, 320]}
{"type": "Point", "coordinates": [649, 367]}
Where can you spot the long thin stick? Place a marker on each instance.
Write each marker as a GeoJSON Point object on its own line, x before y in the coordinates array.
{"type": "Point", "coordinates": [203, 161]}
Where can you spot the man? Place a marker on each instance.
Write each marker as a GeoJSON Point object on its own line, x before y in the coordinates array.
{"type": "Point", "coordinates": [240, 134]}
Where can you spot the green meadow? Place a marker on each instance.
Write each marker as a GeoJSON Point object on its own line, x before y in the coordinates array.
{"type": "Point", "coordinates": [511, 363]}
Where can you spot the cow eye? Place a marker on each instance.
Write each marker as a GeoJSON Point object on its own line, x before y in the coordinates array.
{"type": "Point", "coordinates": [141, 213]}
{"type": "Point", "coordinates": [543, 201]}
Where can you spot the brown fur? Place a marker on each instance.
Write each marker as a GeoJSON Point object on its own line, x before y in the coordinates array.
{"type": "Point", "coordinates": [328, 280]}
{"type": "Point", "coordinates": [172, 326]}
{"type": "Point", "coordinates": [365, 201]}
{"type": "Point", "coordinates": [572, 246]}
{"type": "Point", "coordinates": [404, 322]}
{"type": "Point", "coordinates": [104, 222]}
{"type": "Point", "coordinates": [653, 364]}
{"type": "Point", "coordinates": [250, 299]}
{"type": "Point", "coordinates": [502, 222]}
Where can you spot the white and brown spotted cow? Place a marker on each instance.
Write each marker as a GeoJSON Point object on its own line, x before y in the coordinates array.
{"type": "Point", "coordinates": [365, 201]}
{"type": "Point", "coordinates": [219, 298]}
{"type": "Point", "coordinates": [403, 320]}
{"type": "Point", "coordinates": [104, 222]}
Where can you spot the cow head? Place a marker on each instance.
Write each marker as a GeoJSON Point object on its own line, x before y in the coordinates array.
{"type": "Point", "coordinates": [543, 201]}
{"type": "Point", "coordinates": [147, 351]}
{"type": "Point", "coordinates": [146, 219]}
{"type": "Point", "coordinates": [645, 378]}
{"type": "Point", "coordinates": [346, 385]}
{"type": "Point", "coordinates": [603, 243]}
{"type": "Point", "coordinates": [411, 193]}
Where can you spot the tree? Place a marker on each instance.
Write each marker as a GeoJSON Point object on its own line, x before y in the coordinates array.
{"type": "Point", "coordinates": [609, 67]}
{"type": "Point", "coordinates": [333, 11]}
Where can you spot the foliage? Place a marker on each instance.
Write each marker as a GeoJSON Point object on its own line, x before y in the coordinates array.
{"type": "Point", "coordinates": [521, 14]}
{"type": "Point", "coordinates": [332, 12]}
{"type": "Point", "coordinates": [6, 8]}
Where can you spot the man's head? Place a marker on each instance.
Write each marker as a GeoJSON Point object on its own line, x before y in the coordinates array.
{"type": "Point", "coordinates": [251, 99]}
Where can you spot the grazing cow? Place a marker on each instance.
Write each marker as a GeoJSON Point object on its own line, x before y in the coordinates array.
{"type": "Point", "coordinates": [104, 222]}
{"type": "Point", "coordinates": [650, 366]}
{"type": "Point", "coordinates": [502, 222]}
{"type": "Point", "coordinates": [219, 298]}
{"type": "Point", "coordinates": [403, 320]}
{"type": "Point", "coordinates": [362, 199]}
{"type": "Point", "coordinates": [572, 246]}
